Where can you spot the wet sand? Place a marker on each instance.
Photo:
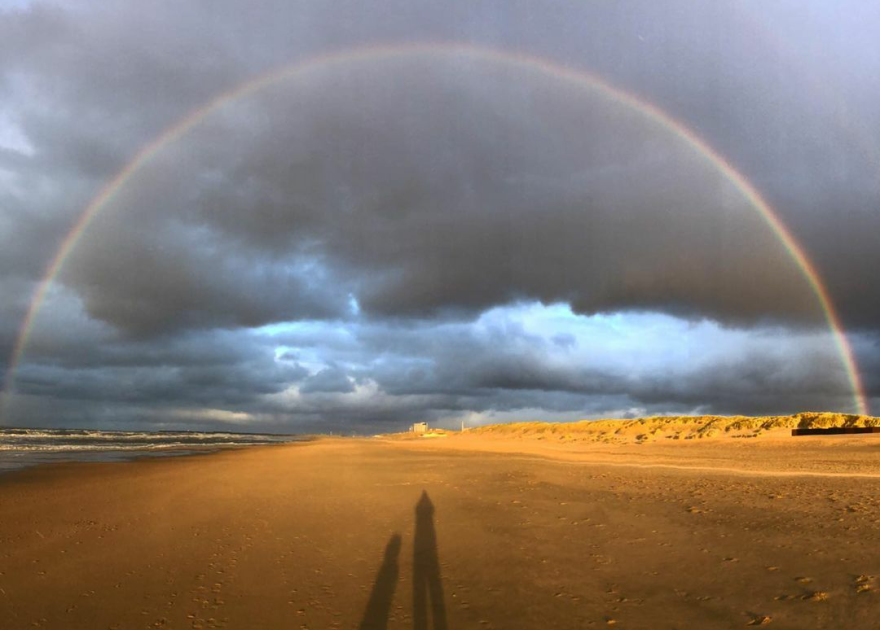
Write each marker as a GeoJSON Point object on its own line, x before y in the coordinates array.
{"type": "Point", "coordinates": [458, 532]}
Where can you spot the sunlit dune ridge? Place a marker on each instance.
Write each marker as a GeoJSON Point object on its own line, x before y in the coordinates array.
{"type": "Point", "coordinates": [674, 427]}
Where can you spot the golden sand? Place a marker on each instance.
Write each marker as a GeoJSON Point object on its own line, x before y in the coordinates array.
{"type": "Point", "coordinates": [480, 530]}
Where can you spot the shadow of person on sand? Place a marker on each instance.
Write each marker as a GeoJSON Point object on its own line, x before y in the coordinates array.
{"type": "Point", "coordinates": [427, 586]}
{"type": "Point", "coordinates": [426, 570]}
{"type": "Point", "coordinates": [379, 604]}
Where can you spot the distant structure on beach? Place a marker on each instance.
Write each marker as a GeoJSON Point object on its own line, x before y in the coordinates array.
{"type": "Point", "coordinates": [419, 428]}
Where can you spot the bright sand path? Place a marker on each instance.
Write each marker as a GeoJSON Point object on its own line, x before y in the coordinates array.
{"type": "Point", "coordinates": [520, 535]}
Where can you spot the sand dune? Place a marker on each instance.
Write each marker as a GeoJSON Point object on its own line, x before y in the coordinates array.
{"type": "Point", "coordinates": [676, 427]}
{"type": "Point", "coordinates": [475, 531]}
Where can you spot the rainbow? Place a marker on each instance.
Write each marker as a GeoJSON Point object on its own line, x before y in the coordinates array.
{"type": "Point", "coordinates": [379, 53]}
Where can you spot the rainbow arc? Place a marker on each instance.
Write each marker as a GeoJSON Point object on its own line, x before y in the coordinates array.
{"type": "Point", "coordinates": [379, 53]}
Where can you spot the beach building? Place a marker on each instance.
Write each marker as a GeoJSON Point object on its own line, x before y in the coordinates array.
{"type": "Point", "coordinates": [419, 427]}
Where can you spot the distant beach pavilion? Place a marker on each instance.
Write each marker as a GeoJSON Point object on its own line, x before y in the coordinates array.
{"type": "Point", "coordinates": [419, 428]}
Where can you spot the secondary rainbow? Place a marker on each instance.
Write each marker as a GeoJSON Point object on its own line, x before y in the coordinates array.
{"type": "Point", "coordinates": [378, 53]}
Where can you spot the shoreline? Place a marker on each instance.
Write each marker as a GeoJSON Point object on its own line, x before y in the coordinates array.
{"type": "Point", "coordinates": [13, 459]}
{"type": "Point", "coordinates": [136, 456]}
{"type": "Point", "coordinates": [530, 449]}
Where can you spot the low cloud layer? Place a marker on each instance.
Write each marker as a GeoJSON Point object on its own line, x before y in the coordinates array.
{"type": "Point", "coordinates": [542, 361]}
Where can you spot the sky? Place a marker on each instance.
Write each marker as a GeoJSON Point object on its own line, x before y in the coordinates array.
{"type": "Point", "coordinates": [352, 216]}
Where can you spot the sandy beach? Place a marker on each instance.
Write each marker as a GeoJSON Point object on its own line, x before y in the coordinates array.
{"type": "Point", "coordinates": [467, 531]}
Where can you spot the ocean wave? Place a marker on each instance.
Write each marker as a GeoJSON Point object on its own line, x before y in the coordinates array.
{"type": "Point", "coordinates": [62, 448]}
{"type": "Point", "coordinates": [21, 447]}
{"type": "Point", "coordinates": [78, 434]}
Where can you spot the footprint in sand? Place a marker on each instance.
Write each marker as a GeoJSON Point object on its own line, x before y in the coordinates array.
{"type": "Point", "coordinates": [760, 620]}
{"type": "Point", "coordinates": [865, 583]}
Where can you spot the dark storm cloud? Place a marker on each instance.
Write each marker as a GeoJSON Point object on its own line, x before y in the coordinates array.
{"type": "Point", "coordinates": [200, 369]}
{"type": "Point", "coordinates": [330, 380]}
{"type": "Point", "coordinates": [397, 181]}
{"type": "Point", "coordinates": [868, 356]}
{"type": "Point", "coordinates": [439, 169]}
{"type": "Point", "coordinates": [420, 193]}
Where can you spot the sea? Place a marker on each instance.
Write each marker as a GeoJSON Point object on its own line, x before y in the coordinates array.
{"type": "Point", "coordinates": [20, 448]}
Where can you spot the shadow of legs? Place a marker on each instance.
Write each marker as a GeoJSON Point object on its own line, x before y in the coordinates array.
{"type": "Point", "coordinates": [379, 605]}
{"type": "Point", "coordinates": [426, 570]}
